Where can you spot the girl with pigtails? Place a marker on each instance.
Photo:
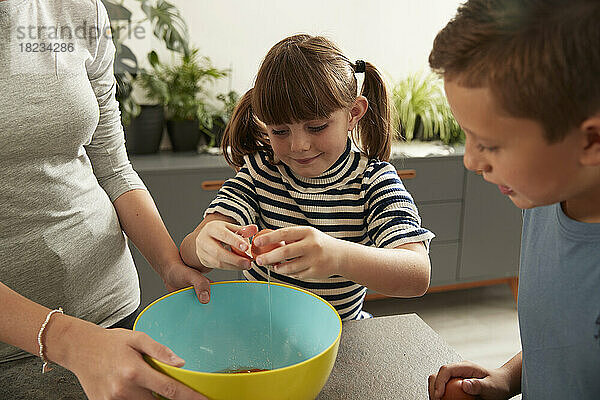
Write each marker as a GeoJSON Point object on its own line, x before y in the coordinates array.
{"type": "Point", "coordinates": [311, 154]}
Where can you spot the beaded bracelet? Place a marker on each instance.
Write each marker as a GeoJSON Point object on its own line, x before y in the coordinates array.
{"type": "Point", "coordinates": [45, 367]}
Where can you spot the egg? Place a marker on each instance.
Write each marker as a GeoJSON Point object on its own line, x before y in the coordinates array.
{"type": "Point", "coordinates": [256, 250]}
{"type": "Point", "coordinates": [454, 391]}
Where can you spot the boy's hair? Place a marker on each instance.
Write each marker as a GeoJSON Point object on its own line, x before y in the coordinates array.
{"type": "Point", "coordinates": [302, 78]}
{"type": "Point", "coordinates": [539, 58]}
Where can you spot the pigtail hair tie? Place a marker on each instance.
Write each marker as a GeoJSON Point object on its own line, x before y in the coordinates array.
{"type": "Point", "coordinates": [360, 66]}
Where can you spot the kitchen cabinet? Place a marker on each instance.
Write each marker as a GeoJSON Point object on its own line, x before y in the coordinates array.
{"type": "Point", "coordinates": [491, 237]}
{"type": "Point", "coordinates": [477, 228]}
{"type": "Point", "coordinates": [437, 189]}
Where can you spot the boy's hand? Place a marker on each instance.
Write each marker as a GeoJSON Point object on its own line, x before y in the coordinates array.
{"type": "Point", "coordinates": [215, 240]}
{"type": "Point", "coordinates": [488, 384]}
{"type": "Point", "coordinates": [309, 252]}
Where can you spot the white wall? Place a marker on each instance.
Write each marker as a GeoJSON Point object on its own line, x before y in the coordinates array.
{"type": "Point", "coordinates": [394, 35]}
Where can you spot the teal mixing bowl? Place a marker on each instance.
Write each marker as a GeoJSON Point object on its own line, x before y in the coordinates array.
{"type": "Point", "coordinates": [295, 343]}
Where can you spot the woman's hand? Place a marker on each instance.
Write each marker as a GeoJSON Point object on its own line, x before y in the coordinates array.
{"type": "Point", "coordinates": [488, 384]}
{"type": "Point", "coordinates": [217, 238]}
{"type": "Point", "coordinates": [177, 275]}
{"type": "Point", "coordinates": [309, 252]}
{"type": "Point", "coordinates": [109, 363]}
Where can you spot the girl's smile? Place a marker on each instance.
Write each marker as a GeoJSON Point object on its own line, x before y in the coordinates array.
{"type": "Point", "coordinates": [306, 160]}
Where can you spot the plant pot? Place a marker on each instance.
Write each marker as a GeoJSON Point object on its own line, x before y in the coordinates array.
{"type": "Point", "coordinates": [184, 135]}
{"type": "Point", "coordinates": [144, 133]}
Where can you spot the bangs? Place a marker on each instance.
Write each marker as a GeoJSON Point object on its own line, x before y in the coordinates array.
{"type": "Point", "coordinates": [291, 88]}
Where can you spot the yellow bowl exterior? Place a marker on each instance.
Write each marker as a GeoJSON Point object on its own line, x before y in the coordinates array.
{"type": "Point", "coordinates": [301, 381]}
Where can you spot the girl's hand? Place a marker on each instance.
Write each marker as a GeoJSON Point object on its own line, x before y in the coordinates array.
{"type": "Point", "coordinates": [217, 238]}
{"type": "Point", "coordinates": [488, 384]}
{"type": "Point", "coordinates": [109, 364]}
{"type": "Point", "coordinates": [309, 252]}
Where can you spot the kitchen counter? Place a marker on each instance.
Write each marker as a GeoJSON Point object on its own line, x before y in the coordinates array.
{"type": "Point", "coordinates": [386, 358]}
{"type": "Point", "coordinates": [212, 158]}
{"type": "Point", "coordinates": [380, 358]}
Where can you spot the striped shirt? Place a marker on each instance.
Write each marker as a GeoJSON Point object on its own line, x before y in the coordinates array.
{"type": "Point", "coordinates": [356, 199]}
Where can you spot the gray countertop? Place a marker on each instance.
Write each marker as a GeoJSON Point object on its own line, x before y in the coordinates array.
{"type": "Point", "coordinates": [168, 160]}
{"type": "Point", "coordinates": [379, 358]}
{"type": "Point", "coordinates": [386, 358]}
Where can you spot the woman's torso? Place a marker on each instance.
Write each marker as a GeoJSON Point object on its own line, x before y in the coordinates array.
{"type": "Point", "coordinates": [60, 238]}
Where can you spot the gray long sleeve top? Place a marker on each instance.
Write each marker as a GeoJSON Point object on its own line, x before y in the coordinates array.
{"type": "Point", "coordinates": [62, 162]}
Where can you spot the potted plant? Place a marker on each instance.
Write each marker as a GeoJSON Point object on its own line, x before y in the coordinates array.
{"type": "Point", "coordinates": [181, 89]}
{"type": "Point", "coordinates": [143, 123]}
{"type": "Point", "coordinates": [422, 111]}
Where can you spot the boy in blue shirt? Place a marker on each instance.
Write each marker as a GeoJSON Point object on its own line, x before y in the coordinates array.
{"type": "Point", "coordinates": [523, 80]}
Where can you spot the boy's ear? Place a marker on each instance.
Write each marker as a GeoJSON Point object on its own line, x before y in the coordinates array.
{"type": "Point", "coordinates": [359, 108]}
{"type": "Point", "coordinates": [591, 130]}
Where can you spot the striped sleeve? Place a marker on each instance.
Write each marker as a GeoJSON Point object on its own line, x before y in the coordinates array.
{"type": "Point", "coordinates": [392, 216]}
{"type": "Point", "coordinates": [237, 199]}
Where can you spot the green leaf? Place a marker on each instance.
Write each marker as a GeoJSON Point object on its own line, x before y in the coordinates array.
{"type": "Point", "coordinates": [153, 59]}
{"type": "Point", "coordinates": [168, 24]}
{"type": "Point", "coordinates": [116, 11]}
{"type": "Point", "coordinates": [125, 60]}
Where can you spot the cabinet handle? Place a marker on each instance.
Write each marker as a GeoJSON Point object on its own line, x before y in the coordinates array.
{"type": "Point", "coordinates": [216, 185]}
{"type": "Point", "coordinates": [407, 173]}
{"type": "Point", "coordinates": [212, 185]}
